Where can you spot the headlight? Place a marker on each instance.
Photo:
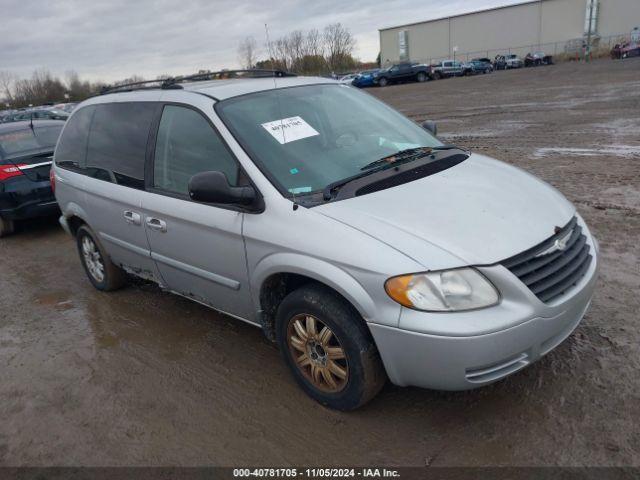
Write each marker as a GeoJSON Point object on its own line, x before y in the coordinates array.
{"type": "Point", "coordinates": [443, 291]}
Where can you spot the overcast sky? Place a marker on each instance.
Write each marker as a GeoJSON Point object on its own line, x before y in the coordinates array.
{"type": "Point", "coordinates": [115, 39]}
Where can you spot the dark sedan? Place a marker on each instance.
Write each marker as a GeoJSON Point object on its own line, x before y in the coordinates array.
{"type": "Point", "coordinates": [26, 150]}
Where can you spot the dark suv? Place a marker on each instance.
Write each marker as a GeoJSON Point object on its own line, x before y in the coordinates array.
{"type": "Point", "coordinates": [26, 150]}
{"type": "Point", "coordinates": [402, 72]}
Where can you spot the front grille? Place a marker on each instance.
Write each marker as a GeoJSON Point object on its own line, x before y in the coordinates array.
{"type": "Point", "coordinates": [549, 275]}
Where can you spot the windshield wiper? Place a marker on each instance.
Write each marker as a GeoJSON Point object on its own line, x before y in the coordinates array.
{"type": "Point", "coordinates": [402, 155]}
{"type": "Point", "coordinates": [326, 191]}
{"type": "Point", "coordinates": [383, 164]}
{"type": "Point", "coordinates": [447, 146]}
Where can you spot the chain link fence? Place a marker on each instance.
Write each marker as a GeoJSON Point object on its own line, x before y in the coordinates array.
{"type": "Point", "coordinates": [566, 50]}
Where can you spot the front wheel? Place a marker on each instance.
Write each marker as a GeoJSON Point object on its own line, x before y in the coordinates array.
{"type": "Point", "coordinates": [421, 77]}
{"type": "Point", "coordinates": [328, 348]}
{"type": "Point", "coordinates": [102, 272]}
{"type": "Point", "coordinates": [7, 227]}
{"type": "Point", "coordinates": [383, 82]}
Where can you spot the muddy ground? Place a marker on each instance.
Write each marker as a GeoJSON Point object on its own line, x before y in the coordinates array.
{"type": "Point", "coordinates": [147, 378]}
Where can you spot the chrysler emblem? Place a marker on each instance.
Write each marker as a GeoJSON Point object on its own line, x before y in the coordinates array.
{"type": "Point", "coordinates": [559, 245]}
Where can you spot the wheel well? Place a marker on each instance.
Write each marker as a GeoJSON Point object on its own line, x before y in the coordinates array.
{"type": "Point", "coordinates": [275, 288]}
{"type": "Point", "coordinates": [74, 224]}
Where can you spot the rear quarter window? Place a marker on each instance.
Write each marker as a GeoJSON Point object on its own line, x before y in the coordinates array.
{"type": "Point", "coordinates": [118, 142]}
{"type": "Point", "coordinates": [72, 148]}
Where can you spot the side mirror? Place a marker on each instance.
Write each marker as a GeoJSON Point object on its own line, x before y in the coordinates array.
{"type": "Point", "coordinates": [430, 126]}
{"type": "Point", "coordinates": [213, 187]}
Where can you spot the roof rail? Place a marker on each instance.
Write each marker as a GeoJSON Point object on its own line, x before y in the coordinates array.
{"type": "Point", "coordinates": [147, 84]}
{"type": "Point", "coordinates": [174, 82]}
{"type": "Point", "coordinates": [227, 74]}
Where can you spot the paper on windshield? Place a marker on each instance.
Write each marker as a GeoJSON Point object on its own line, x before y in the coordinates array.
{"type": "Point", "coordinates": [290, 129]}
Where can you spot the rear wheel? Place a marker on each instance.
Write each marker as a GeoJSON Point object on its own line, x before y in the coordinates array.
{"type": "Point", "coordinates": [421, 77]}
{"type": "Point", "coordinates": [102, 272]}
{"type": "Point", "coordinates": [328, 348]}
{"type": "Point", "coordinates": [7, 227]}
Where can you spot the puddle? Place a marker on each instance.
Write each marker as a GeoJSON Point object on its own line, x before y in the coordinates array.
{"type": "Point", "coordinates": [626, 151]}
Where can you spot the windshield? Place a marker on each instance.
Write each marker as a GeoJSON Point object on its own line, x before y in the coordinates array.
{"type": "Point", "coordinates": [305, 138]}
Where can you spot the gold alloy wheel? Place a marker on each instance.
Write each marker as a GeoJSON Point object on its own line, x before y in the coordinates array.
{"type": "Point", "coordinates": [317, 353]}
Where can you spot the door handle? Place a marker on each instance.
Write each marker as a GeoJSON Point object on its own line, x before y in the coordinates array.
{"type": "Point", "coordinates": [132, 217]}
{"type": "Point", "coordinates": [156, 224]}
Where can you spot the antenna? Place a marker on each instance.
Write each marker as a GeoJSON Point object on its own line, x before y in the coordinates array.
{"type": "Point", "coordinates": [266, 32]}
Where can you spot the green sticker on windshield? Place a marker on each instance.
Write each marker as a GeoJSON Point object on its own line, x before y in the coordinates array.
{"type": "Point", "coordinates": [298, 190]}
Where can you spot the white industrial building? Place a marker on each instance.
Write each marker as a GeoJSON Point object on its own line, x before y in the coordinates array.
{"type": "Point", "coordinates": [554, 26]}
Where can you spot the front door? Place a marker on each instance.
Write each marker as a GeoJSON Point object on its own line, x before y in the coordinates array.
{"type": "Point", "coordinates": [198, 248]}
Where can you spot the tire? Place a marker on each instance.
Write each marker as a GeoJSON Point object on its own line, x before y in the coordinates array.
{"type": "Point", "coordinates": [103, 274]}
{"type": "Point", "coordinates": [383, 82]}
{"type": "Point", "coordinates": [437, 76]}
{"type": "Point", "coordinates": [352, 372]}
{"type": "Point", "coordinates": [7, 227]}
{"type": "Point", "coordinates": [421, 77]}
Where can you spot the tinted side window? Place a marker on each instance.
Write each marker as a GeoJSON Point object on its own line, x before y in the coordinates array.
{"type": "Point", "coordinates": [187, 145]}
{"type": "Point", "coordinates": [72, 147]}
{"type": "Point", "coordinates": [118, 142]}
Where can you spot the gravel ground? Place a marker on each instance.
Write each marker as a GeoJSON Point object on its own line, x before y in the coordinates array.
{"type": "Point", "coordinates": [140, 377]}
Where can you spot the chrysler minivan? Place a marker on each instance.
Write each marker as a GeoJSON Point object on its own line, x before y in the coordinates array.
{"type": "Point", "coordinates": [360, 243]}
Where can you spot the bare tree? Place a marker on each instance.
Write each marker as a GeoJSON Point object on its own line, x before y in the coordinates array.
{"type": "Point", "coordinates": [77, 88]}
{"type": "Point", "coordinates": [247, 52]}
{"type": "Point", "coordinates": [41, 88]}
{"type": "Point", "coordinates": [313, 43]}
{"type": "Point", "coordinates": [7, 80]}
{"type": "Point", "coordinates": [132, 79]}
{"type": "Point", "coordinates": [313, 52]}
{"type": "Point", "coordinates": [338, 47]}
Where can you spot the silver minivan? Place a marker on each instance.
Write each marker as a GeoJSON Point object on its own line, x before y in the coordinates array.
{"type": "Point", "coordinates": [360, 243]}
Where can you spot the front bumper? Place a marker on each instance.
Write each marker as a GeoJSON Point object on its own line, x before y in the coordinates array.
{"type": "Point", "coordinates": [460, 361]}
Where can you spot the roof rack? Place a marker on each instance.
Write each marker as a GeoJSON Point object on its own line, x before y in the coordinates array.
{"type": "Point", "coordinates": [174, 82]}
{"type": "Point", "coordinates": [128, 87]}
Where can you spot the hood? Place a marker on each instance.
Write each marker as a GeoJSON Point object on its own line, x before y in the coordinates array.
{"type": "Point", "coordinates": [478, 212]}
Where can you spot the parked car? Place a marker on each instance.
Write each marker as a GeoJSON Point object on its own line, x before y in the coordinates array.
{"type": "Point", "coordinates": [348, 79]}
{"type": "Point", "coordinates": [448, 68]}
{"type": "Point", "coordinates": [5, 113]}
{"type": "Point", "coordinates": [402, 72]}
{"type": "Point", "coordinates": [480, 67]}
{"type": "Point", "coordinates": [37, 114]}
{"type": "Point", "coordinates": [486, 61]}
{"type": "Point", "coordinates": [25, 162]}
{"type": "Point", "coordinates": [300, 208]}
{"type": "Point", "coordinates": [625, 50]}
{"type": "Point", "coordinates": [365, 78]}
{"type": "Point", "coordinates": [65, 107]}
{"type": "Point", "coordinates": [500, 62]}
{"type": "Point", "coordinates": [512, 61]}
{"type": "Point", "coordinates": [537, 58]}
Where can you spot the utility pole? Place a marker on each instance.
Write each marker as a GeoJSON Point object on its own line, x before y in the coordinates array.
{"type": "Point", "coordinates": [590, 27]}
